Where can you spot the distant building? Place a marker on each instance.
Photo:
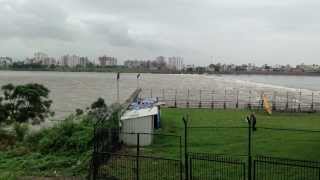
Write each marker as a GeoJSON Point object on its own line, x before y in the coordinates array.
{"type": "Point", "coordinates": [5, 61]}
{"type": "Point", "coordinates": [107, 61]}
{"type": "Point", "coordinates": [134, 63]}
{"type": "Point", "coordinates": [40, 58]}
{"type": "Point", "coordinates": [70, 60]}
{"type": "Point", "coordinates": [175, 63]}
{"type": "Point", "coordinates": [84, 61]}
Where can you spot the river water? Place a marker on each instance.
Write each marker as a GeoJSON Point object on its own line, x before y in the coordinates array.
{"type": "Point", "coordinates": [71, 90]}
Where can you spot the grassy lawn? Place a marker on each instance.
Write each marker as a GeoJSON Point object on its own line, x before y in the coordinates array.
{"type": "Point", "coordinates": [234, 141]}
{"type": "Point", "coordinates": [228, 141]}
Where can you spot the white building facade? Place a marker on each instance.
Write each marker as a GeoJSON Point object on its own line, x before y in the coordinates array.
{"type": "Point", "coordinates": [175, 63]}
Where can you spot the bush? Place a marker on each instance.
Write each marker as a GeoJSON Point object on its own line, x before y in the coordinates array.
{"type": "Point", "coordinates": [21, 130]}
{"type": "Point", "coordinates": [71, 136]}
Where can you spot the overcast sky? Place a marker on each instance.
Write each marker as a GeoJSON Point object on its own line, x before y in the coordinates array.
{"type": "Point", "coordinates": [202, 31]}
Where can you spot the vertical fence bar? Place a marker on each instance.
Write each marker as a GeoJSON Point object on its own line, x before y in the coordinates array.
{"type": "Point", "coordinates": [212, 99]}
{"type": "Point", "coordinates": [188, 96]}
{"type": "Point", "coordinates": [312, 99]}
{"type": "Point", "coordinates": [249, 151]}
{"type": "Point", "coordinates": [224, 101]}
{"type": "Point", "coordinates": [249, 102]}
{"type": "Point", "coordinates": [237, 100]}
{"type": "Point", "coordinates": [274, 101]}
{"type": "Point", "coordinates": [163, 97]}
{"type": "Point", "coordinates": [200, 98]}
{"type": "Point", "coordinates": [287, 103]}
{"type": "Point", "coordinates": [261, 97]}
{"type": "Point", "coordinates": [175, 98]}
{"type": "Point", "coordinates": [151, 93]}
{"type": "Point", "coordinates": [138, 154]}
{"type": "Point", "coordinates": [254, 169]}
{"type": "Point", "coordinates": [185, 121]}
{"type": "Point", "coordinates": [181, 161]}
{"type": "Point", "coordinates": [299, 105]}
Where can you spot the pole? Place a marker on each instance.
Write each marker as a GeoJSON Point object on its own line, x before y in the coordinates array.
{"type": "Point", "coordinates": [261, 97]}
{"type": "Point", "coordinates": [299, 106]}
{"type": "Point", "coordinates": [138, 154]}
{"type": "Point", "coordinates": [224, 101]}
{"type": "Point", "coordinates": [185, 121]}
{"type": "Point", "coordinates": [249, 151]}
{"type": "Point", "coordinates": [212, 99]}
{"type": "Point", "coordinates": [237, 103]}
{"type": "Point", "coordinates": [138, 84]}
{"type": "Point", "coordinates": [312, 101]}
{"type": "Point", "coordinates": [200, 99]}
{"type": "Point", "coordinates": [249, 103]}
{"type": "Point", "coordinates": [274, 101]}
{"type": "Point", "coordinates": [175, 98]}
{"type": "Point", "coordinates": [287, 103]}
{"type": "Point", "coordinates": [118, 94]}
{"type": "Point", "coordinates": [188, 96]}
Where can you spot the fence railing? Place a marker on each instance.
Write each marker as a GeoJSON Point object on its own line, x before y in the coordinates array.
{"type": "Point", "coordinates": [291, 101]}
{"type": "Point", "coordinates": [265, 168]}
{"type": "Point", "coordinates": [238, 157]}
{"type": "Point", "coordinates": [231, 152]}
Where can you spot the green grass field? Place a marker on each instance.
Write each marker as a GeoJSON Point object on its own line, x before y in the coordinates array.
{"type": "Point", "coordinates": [291, 144]}
{"type": "Point", "coordinates": [234, 141]}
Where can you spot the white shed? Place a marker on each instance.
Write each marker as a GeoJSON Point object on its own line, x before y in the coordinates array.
{"type": "Point", "coordinates": [138, 121]}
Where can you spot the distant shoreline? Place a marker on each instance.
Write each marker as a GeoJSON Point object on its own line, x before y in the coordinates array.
{"type": "Point", "coordinates": [125, 70]}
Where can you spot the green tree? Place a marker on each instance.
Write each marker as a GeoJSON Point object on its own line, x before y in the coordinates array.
{"type": "Point", "coordinates": [25, 103]}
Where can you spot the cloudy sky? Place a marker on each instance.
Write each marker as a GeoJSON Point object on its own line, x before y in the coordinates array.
{"type": "Point", "coordinates": [202, 31]}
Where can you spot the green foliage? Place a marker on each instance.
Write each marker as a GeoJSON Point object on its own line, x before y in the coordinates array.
{"type": "Point", "coordinates": [23, 103]}
{"type": "Point", "coordinates": [64, 150]}
{"type": "Point", "coordinates": [70, 136]}
{"type": "Point", "coordinates": [21, 130]}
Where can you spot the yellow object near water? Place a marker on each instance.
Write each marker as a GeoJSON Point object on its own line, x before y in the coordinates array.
{"type": "Point", "coordinates": [266, 104]}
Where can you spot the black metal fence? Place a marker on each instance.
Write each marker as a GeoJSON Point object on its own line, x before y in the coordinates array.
{"type": "Point", "coordinates": [291, 101]}
{"type": "Point", "coordinates": [212, 166]}
{"type": "Point", "coordinates": [238, 157]}
{"type": "Point", "coordinates": [126, 155]}
{"type": "Point", "coordinates": [229, 153]}
{"type": "Point", "coordinates": [265, 168]}
{"type": "Point", "coordinates": [124, 166]}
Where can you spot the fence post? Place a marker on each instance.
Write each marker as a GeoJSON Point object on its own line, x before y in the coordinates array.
{"type": "Point", "coordinates": [312, 99]}
{"type": "Point", "coordinates": [299, 105]}
{"type": "Point", "coordinates": [249, 151]}
{"type": "Point", "coordinates": [237, 103]}
{"type": "Point", "coordinates": [175, 98]}
{"type": "Point", "coordinates": [138, 154]}
{"type": "Point", "coordinates": [200, 98]}
{"type": "Point", "coordinates": [274, 101]}
{"type": "Point", "coordinates": [224, 101]}
{"type": "Point", "coordinates": [95, 169]}
{"type": "Point", "coordinates": [163, 97]}
{"type": "Point", "coordinates": [212, 99]}
{"type": "Point", "coordinates": [261, 97]}
{"type": "Point", "coordinates": [186, 163]}
{"type": "Point", "coordinates": [151, 93]}
{"type": "Point", "coordinates": [249, 103]}
{"type": "Point", "coordinates": [188, 96]}
{"type": "Point", "coordinates": [181, 159]}
{"type": "Point", "coordinates": [287, 103]}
